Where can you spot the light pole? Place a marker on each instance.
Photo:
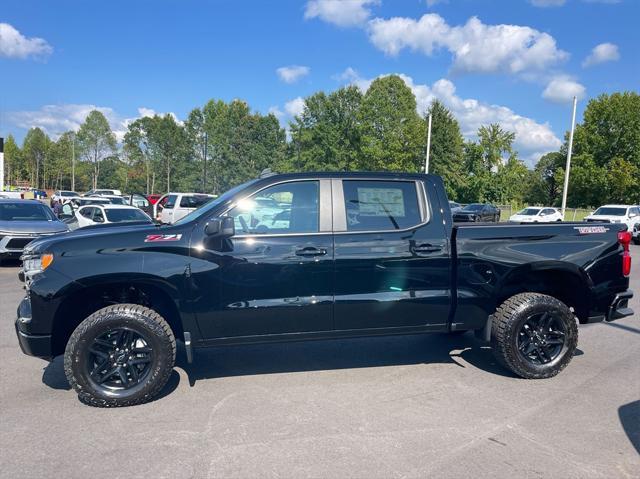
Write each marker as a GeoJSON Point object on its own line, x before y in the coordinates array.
{"type": "Point", "coordinates": [426, 163]}
{"type": "Point", "coordinates": [73, 161]}
{"type": "Point", "coordinates": [569, 150]}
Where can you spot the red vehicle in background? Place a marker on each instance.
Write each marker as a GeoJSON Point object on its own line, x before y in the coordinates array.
{"type": "Point", "coordinates": [153, 199]}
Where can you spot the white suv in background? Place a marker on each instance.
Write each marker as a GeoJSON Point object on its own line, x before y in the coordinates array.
{"type": "Point", "coordinates": [537, 214]}
{"type": "Point", "coordinates": [175, 206]}
{"type": "Point", "coordinates": [627, 214]}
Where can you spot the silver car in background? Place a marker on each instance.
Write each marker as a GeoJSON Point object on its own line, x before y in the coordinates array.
{"type": "Point", "coordinates": [22, 221]}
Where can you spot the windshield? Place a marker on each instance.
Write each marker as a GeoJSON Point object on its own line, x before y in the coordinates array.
{"type": "Point", "coordinates": [25, 212]}
{"type": "Point", "coordinates": [608, 211]}
{"type": "Point", "coordinates": [212, 204]}
{"type": "Point", "coordinates": [116, 200]}
{"type": "Point", "coordinates": [529, 212]}
{"type": "Point", "coordinates": [118, 215]}
{"type": "Point", "coordinates": [68, 193]}
{"type": "Point", "coordinates": [474, 207]}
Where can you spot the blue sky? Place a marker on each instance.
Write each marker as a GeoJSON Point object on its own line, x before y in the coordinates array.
{"type": "Point", "coordinates": [517, 62]}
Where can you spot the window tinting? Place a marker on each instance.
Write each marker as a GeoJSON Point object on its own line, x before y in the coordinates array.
{"type": "Point", "coordinates": [170, 202]}
{"type": "Point", "coordinates": [381, 205]}
{"type": "Point", "coordinates": [194, 201]}
{"type": "Point", "coordinates": [87, 212]}
{"type": "Point", "coordinates": [610, 211]}
{"type": "Point", "coordinates": [25, 212]}
{"type": "Point", "coordinates": [119, 215]}
{"type": "Point", "coordinates": [285, 208]}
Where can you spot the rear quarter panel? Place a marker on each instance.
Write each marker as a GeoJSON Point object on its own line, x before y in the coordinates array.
{"type": "Point", "coordinates": [489, 259]}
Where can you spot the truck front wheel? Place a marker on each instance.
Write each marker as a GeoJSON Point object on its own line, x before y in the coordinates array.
{"type": "Point", "coordinates": [534, 335]}
{"type": "Point", "coordinates": [121, 355]}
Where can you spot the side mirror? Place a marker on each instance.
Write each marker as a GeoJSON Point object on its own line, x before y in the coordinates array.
{"type": "Point", "coordinates": [99, 219]}
{"type": "Point", "coordinates": [222, 227]}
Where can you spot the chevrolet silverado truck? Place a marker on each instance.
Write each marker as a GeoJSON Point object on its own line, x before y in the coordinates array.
{"type": "Point", "coordinates": [313, 256]}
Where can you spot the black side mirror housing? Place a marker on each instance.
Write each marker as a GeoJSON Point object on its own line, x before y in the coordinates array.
{"type": "Point", "coordinates": [221, 227]}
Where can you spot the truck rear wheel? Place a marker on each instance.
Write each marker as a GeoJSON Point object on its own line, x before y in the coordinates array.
{"type": "Point", "coordinates": [121, 355]}
{"type": "Point", "coordinates": [534, 335]}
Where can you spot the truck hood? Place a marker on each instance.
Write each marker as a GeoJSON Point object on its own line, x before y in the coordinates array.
{"type": "Point", "coordinates": [88, 234]}
{"type": "Point", "coordinates": [32, 227]}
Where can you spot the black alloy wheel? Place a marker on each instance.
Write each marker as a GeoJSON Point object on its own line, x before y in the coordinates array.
{"type": "Point", "coordinates": [534, 335]}
{"type": "Point", "coordinates": [119, 359]}
{"type": "Point", "coordinates": [121, 355]}
{"type": "Point", "coordinates": [541, 338]}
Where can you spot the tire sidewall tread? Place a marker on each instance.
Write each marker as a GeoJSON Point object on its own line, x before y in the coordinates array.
{"type": "Point", "coordinates": [119, 315]}
{"type": "Point", "coordinates": [506, 324]}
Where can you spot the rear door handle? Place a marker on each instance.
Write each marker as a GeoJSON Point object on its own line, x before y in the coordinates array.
{"type": "Point", "coordinates": [427, 248]}
{"type": "Point", "coordinates": [311, 251]}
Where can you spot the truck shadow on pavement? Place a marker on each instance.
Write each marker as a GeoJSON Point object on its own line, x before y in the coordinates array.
{"type": "Point", "coordinates": [54, 377]}
{"type": "Point", "coordinates": [629, 415]}
{"type": "Point", "coordinates": [336, 354]}
{"type": "Point", "coordinates": [245, 360]}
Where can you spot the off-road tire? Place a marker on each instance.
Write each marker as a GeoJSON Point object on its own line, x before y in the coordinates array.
{"type": "Point", "coordinates": [506, 325]}
{"type": "Point", "coordinates": [132, 316]}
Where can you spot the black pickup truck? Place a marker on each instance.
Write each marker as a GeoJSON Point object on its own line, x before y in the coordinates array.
{"type": "Point", "coordinates": [310, 256]}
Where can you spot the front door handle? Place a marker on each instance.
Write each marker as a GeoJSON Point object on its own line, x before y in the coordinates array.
{"type": "Point", "coordinates": [311, 251]}
{"type": "Point", "coordinates": [427, 248]}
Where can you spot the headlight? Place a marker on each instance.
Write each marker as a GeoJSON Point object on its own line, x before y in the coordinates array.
{"type": "Point", "coordinates": [33, 265]}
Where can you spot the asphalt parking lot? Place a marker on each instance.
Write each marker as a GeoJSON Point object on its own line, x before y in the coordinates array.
{"type": "Point", "coordinates": [419, 406]}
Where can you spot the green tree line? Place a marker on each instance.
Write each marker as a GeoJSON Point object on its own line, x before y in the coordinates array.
{"type": "Point", "coordinates": [222, 144]}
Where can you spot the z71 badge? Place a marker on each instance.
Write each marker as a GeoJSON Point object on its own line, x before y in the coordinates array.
{"type": "Point", "coordinates": [585, 230]}
{"type": "Point", "coordinates": [158, 238]}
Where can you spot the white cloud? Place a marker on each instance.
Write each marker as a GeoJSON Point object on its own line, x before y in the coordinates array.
{"type": "Point", "coordinates": [562, 89]}
{"type": "Point", "coordinates": [56, 119]}
{"type": "Point", "coordinates": [344, 13]}
{"type": "Point", "coordinates": [532, 138]}
{"type": "Point", "coordinates": [277, 112]}
{"type": "Point", "coordinates": [475, 46]}
{"type": "Point", "coordinates": [294, 107]}
{"type": "Point", "coordinates": [605, 52]}
{"type": "Point", "coordinates": [15, 45]}
{"type": "Point", "coordinates": [547, 3]}
{"type": "Point", "coordinates": [292, 73]}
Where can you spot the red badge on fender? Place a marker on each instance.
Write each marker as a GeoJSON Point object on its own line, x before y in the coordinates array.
{"type": "Point", "coordinates": [156, 238]}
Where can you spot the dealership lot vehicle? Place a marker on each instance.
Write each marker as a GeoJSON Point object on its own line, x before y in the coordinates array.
{"type": "Point", "coordinates": [64, 196]}
{"type": "Point", "coordinates": [350, 258]}
{"type": "Point", "coordinates": [113, 199]}
{"type": "Point", "coordinates": [535, 214]}
{"type": "Point", "coordinates": [477, 212]}
{"type": "Point", "coordinates": [90, 200]}
{"type": "Point", "coordinates": [153, 199]}
{"type": "Point", "coordinates": [625, 214]}
{"type": "Point", "coordinates": [103, 191]}
{"type": "Point", "coordinates": [454, 207]}
{"type": "Point", "coordinates": [175, 206]}
{"type": "Point", "coordinates": [91, 215]}
{"type": "Point", "coordinates": [22, 221]}
{"type": "Point", "coordinates": [139, 201]}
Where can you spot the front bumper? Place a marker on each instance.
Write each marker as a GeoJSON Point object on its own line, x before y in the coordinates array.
{"type": "Point", "coordinates": [620, 306]}
{"type": "Point", "coordinates": [39, 345]}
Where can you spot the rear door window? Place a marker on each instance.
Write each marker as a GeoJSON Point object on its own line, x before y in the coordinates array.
{"type": "Point", "coordinates": [87, 212]}
{"type": "Point", "coordinates": [193, 201]}
{"type": "Point", "coordinates": [171, 202]}
{"type": "Point", "coordinates": [381, 205]}
{"type": "Point", "coordinates": [98, 216]}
